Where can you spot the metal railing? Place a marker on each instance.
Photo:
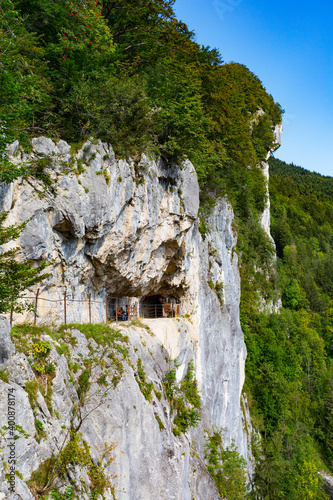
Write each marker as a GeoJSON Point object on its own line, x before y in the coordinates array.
{"type": "Point", "coordinates": [160, 310]}
{"type": "Point", "coordinates": [121, 309]}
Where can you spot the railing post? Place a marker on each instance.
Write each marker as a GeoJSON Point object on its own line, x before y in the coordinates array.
{"type": "Point", "coordinates": [65, 308]}
{"type": "Point", "coordinates": [36, 303]}
{"type": "Point", "coordinates": [89, 298]}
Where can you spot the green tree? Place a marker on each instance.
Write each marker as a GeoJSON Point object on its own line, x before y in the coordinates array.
{"type": "Point", "coordinates": [15, 275]}
{"type": "Point", "coordinates": [142, 30]}
{"type": "Point", "coordinates": [226, 467]}
{"type": "Point", "coordinates": [79, 54]}
{"type": "Point", "coordinates": [24, 102]}
{"type": "Point", "coordinates": [114, 109]}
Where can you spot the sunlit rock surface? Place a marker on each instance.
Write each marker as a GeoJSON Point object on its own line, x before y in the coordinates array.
{"type": "Point", "coordinates": [115, 229]}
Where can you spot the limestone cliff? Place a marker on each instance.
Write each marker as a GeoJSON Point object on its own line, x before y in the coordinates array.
{"type": "Point", "coordinates": [117, 229]}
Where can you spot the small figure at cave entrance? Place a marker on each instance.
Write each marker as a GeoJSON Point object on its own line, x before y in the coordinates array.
{"type": "Point", "coordinates": [122, 314]}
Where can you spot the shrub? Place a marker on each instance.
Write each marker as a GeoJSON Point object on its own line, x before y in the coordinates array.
{"type": "Point", "coordinates": [227, 467]}
{"type": "Point", "coordinates": [145, 387]}
{"type": "Point", "coordinates": [185, 401]}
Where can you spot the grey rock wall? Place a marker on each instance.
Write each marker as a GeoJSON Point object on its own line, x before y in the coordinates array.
{"type": "Point", "coordinates": [149, 462]}
{"type": "Point", "coordinates": [118, 228]}
{"type": "Point", "coordinates": [6, 345]}
{"type": "Point", "coordinates": [112, 227]}
{"type": "Point", "coordinates": [222, 340]}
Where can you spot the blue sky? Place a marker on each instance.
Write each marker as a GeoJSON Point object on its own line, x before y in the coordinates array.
{"type": "Point", "coordinates": [289, 46]}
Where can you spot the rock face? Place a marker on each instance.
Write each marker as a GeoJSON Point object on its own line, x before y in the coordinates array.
{"type": "Point", "coordinates": [328, 482]}
{"type": "Point", "coordinates": [265, 217]}
{"type": "Point", "coordinates": [222, 347]}
{"type": "Point", "coordinates": [150, 461]}
{"type": "Point", "coordinates": [113, 228]}
{"type": "Point", "coordinates": [118, 229]}
{"type": "Point", "coordinates": [6, 345]}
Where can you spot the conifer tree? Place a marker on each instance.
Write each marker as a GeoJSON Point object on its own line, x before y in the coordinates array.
{"type": "Point", "coordinates": [16, 276]}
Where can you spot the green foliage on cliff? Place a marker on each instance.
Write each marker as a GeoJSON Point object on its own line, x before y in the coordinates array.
{"type": "Point", "coordinates": [145, 387]}
{"type": "Point", "coordinates": [132, 74]}
{"type": "Point", "coordinates": [227, 467]}
{"type": "Point", "coordinates": [289, 369]}
{"type": "Point", "coordinates": [23, 87]}
{"type": "Point", "coordinates": [184, 399]}
{"type": "Point", "coordinates": [15, 276]}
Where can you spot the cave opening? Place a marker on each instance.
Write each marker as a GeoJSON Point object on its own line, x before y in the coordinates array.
{"type": "Point", "coordinates": [152, 306]}
{"type": "Point", "coordinates": [158, 306]}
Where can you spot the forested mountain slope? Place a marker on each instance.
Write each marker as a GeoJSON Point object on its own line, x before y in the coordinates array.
{"type": "Point", "coordinates": [289, 365]}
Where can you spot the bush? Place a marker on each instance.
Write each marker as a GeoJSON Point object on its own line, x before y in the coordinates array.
{"type": "Point", "coordinates": [185, 401]}
{"type": "Point", "coordinates": [227, 467]}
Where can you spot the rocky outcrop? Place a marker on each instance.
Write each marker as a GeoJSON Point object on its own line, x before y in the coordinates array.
{"type": "Point", "coordinates": [266, 215]}
{"type": "Point", "coordinates": [6, 345]}
{"type": "Point", "coordinates": [117, 228]}
{"type": "Point", "coordinates": [149, 460]}
{"type": "Point", "coordinates": [328, 480]}
{"type": "Point", "coordinates": [112, 227]}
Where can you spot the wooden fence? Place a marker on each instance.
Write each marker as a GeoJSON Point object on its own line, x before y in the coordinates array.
{"type": "Point", "coordinates": [116, 308]}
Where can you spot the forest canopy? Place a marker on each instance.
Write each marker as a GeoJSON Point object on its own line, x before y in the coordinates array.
{"type": "Point", "coordinates": [132, 74]}
{"type": "Point", "coordinates": [289, 368]}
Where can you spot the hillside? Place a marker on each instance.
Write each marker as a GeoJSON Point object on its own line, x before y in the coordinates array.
{"type": "Point", "coordinates": [173, 384]}
{"type": "Point", "coordinates": [289, 364]}
{"type": "Point", "coordinates": [134, 171]}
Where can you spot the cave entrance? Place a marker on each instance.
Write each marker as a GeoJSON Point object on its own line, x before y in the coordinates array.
{"type": "Point", "coordinates": [156, 306]}
{"type": "Point", "coordinates": [152, 306]}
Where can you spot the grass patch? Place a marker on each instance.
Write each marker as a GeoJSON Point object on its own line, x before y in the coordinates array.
{"type": "Point", "coordinates": [4, 376]}
{"type": "Point", "coordinates": [40, 477]}
{"type": "Point", "coordinates": [32, 388]}
{"type": "Point", "coordinates": [140, 324]}
{"type": "Point", "coordinates": [160, 423]}
{"type": "Point", "coordinates": [40, 431]}
{"type": "Point", "coordinates": [24, 336]}
{"type": "Point", "coordinates": [112, 341]}
{"type": "Point", "coordinates": [158, 394]}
